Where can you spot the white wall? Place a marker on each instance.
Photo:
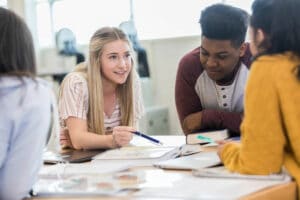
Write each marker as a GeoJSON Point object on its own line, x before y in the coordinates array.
{"type": "Point", "coordinates": [164, 56]}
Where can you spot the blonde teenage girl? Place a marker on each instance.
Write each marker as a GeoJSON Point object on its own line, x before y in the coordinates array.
{"type": "Point", "coordinates": [100, 101]}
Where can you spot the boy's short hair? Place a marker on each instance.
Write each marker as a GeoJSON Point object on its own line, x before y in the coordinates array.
{"type": "Point", "coordinates": [224, 22]}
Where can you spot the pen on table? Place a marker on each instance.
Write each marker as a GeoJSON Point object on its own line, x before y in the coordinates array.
{"type": "Point", "coordinates": [206, 139]}
{"type": "Point", "coordinates": [147, 137]}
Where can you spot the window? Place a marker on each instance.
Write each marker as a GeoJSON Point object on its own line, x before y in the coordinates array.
{"type": "Point", "coordinates": [83, 17]}
{"type": "Point", "coordinates": [3, 3]}
{"type": "Point", "coordinates": [168, 18]}
{"type": "Point", "coordinates": [246, 5]}
{"type": "Point", "coordinates": [153, 18]}
{"type": "Point", "coordinates": [44, 31]}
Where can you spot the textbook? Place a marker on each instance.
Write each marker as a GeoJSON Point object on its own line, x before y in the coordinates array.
{"type": "Point", "coordinates": [207, 137]}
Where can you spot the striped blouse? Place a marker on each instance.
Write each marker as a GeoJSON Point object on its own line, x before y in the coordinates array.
{"type": "Point", "coordinates": [74, 102]}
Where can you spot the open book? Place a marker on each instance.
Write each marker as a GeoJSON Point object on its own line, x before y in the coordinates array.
{"type": "Point", "coordinates": [207, 137]}
{"type": "Point", "coordinates": [134, 152]}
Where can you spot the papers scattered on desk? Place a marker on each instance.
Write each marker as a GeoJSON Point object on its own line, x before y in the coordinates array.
{"type": "Point", "coordinates": [222, 172]}
{"type": "Point", "coordinates": [195, 161]}
{"type": "Point", "coordinates": [134, 156]}
{"type": "Point", "coordinates": [143, 156]}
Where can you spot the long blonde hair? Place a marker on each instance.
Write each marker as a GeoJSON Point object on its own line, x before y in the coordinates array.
{"type": "Point", "coordinates": [92, 72]}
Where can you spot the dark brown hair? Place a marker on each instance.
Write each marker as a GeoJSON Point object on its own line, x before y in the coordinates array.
{"type": "Point", "coordinates": [280, 21]}
{"type": "Point", "coordinates": [17, 57]}
{"type": "Point", "coordinates": [224, 22]}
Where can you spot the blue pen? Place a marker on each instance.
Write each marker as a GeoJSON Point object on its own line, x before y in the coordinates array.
{"type": "Point", "coordinates": [147, 137]}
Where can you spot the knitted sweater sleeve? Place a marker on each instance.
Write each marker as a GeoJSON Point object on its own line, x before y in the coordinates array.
{"type": "Point", "coordinates": [262, 146]}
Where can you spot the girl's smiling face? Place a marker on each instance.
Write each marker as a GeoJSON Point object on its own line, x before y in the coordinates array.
{"type": "Point", "coordinates": [116, 62]}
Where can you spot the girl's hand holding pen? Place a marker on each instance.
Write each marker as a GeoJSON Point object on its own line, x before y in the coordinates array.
{"type": "Point", "coordinates": [122, 135]}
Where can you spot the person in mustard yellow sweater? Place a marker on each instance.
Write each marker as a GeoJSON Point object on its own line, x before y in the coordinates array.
{"type": "Point", "coordinates": [270, 130]}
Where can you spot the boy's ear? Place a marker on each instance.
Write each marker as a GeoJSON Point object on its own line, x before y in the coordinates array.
{"type": "Point", "coordinates": [243, 49]}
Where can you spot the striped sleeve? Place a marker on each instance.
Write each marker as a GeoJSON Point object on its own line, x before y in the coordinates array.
{"type": "Point", "coordinates": [74, 99]}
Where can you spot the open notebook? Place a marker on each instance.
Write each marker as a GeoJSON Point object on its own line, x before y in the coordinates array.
{"type": "Point", "coordinates": [135, 152]}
